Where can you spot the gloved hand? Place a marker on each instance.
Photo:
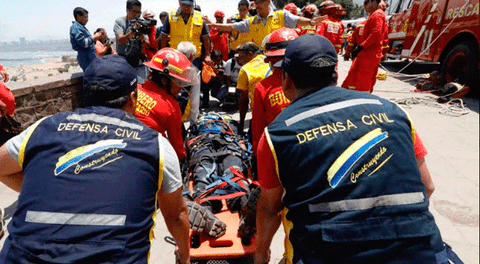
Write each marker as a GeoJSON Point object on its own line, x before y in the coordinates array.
{"type": "Point", "coordinates": [356, 50]}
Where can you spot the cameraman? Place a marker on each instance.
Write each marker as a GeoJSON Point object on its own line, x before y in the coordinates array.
{"type": "Point", "coordinates": [130, 39]}
{"type": "Point", "coordinates": [103, 46]}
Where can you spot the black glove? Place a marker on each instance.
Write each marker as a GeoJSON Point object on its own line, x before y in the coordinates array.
{"type": "Point", "coordinates": [356, 51]}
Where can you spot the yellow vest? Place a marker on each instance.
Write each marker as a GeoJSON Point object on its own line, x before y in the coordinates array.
{"type": "Point", "coordinates": [237, 39]}
{"type": "Point", "coordinates": [190, 32]}
{"type": "Point", "coordinates": [258, 31]}
{"type": "Point", "coordinates": [255, 71]}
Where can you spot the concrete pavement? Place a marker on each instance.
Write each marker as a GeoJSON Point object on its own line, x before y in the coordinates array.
{"type": "Point", "coordinates": [453, 160]}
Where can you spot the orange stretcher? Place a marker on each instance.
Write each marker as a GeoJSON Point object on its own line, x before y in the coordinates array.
{"type": "Point", "coordinates": [228, 248]}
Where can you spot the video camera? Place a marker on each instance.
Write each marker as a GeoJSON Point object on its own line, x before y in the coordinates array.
{"type": "Point", "coordinates": [108, 41]}
{"type": "Point", "coordinates": [144, 25]}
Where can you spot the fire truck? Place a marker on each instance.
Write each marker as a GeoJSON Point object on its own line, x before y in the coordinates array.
{"type": "Point", "coordinates": [438, 31]}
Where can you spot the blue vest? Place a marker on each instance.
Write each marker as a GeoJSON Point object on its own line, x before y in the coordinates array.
{"type": "Point", "coordinates": [347, 165]}
{"type": "Point", "coordinates": [89, 191]}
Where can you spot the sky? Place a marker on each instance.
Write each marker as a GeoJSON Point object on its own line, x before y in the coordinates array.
{"type": "Point", "coordinates": [48, 19]}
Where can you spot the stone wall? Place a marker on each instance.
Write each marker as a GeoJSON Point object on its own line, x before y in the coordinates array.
{"type": "Point", "coordinates": [34, 101]}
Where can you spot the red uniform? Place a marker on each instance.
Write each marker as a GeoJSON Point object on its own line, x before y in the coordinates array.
{"type": "Point", "coordinates": [302, 30]}
{"type": "Point", "coordinates": [332, 29]}
{"type": "Point", "coordinates": [150, 50]}
{"type": "Point", "coordinates": [362, 73]}
{"type": "Point", "coordinates": [160, 111]}
{"type": "Point", "coordinates": [357, 36]}
{"type": "Point", "coordinates": [6, 97]}
{"type": "Point", "coordinates": [219, 41]}
{"type": "Point", "coordinates": [269, 102]}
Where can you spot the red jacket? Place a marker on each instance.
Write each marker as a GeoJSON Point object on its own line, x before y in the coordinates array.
{"type": "Point", "coordinates": [332, 29]}
{"type": "Point", "coordinates": [160, 111]}
{"type": "Point", "coordinates": [357, 37]}
{"type": "Point", "coordinates": [375, 32]}
{"type": "Point", "coordinates": [269, 102]}
{"type": "Point", "coordinates": [7, 97]}
{"type": "Point", "coordinates": [219, 41]}
{"type": "Point", "coordinates": [150, 50]}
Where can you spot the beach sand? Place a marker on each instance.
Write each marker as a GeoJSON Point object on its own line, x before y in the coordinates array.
{"type": "Point", "coordinates": [52, 67]}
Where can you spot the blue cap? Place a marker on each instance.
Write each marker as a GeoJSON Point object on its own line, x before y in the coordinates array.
{"type": "Point", "coordinates": [309, 54]}
{"type": "Point", "coordinates": [187, 2]}
{"type": "Point", "coordinates": [113, 73]}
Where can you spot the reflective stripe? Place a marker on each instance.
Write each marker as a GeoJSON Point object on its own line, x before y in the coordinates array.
{"type": "Point", "coordinates": [104, 119]}
{"type": "Point", "coordinates": [368, 203]}
{"type": "Point", "coordinates": [75, 219]}
{"type": "Point", "coordinates": [330, 108]}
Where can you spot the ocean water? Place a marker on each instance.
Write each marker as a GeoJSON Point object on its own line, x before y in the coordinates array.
{"type": "Point", "coordinates": [20, 58]}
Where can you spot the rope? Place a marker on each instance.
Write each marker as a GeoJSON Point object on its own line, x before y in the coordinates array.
{"type": "Point", "coordinates": [443, 31]}
{"type": "Point", "coordinates": [454, 107]}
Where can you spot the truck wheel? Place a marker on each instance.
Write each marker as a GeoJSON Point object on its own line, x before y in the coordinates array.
{"type": "Point", "coordinates": [461, 65]}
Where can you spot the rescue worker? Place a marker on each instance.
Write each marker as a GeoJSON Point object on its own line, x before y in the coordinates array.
{"type": "Point", "coordinates": [291, 7]}
{"type": "Point", "coordinates": [385, 47]}
{"type": "Point", "coordinates": [254, 70]}
{"type": "Point", "coordinates": [355, 39]}
{"type": "Point", "coordinates": [186, 24]}
{"type": "Point", "coordinates": [218, 37]}
{"type": "Point", "coordinates": [308, 12]}
{"type": "Point", "coordinates": [149, 46]}
{"type": "Point", "coordinates": [266, 21]}
{"type": "Point", "coordinates": [322, 8]}
{"type": "Point", "coordinates": [331, 27]}
{"type": "Point", "coordinates": [156, 104]}
{"type": "Point", "coordinates": [91, 180]}
{"type": "Point", "coordinates": [193, 106]}
{"type": "Point", "coordinates": [341, 12]}
{"type": "Point", "coordinates": [269, 98]}
{"type": "Point", "coordinates": [237, 38]}
{"type": "Point", "coordinates": [362, 73]}
{"type": "Point", "coordinates": [354, 180]}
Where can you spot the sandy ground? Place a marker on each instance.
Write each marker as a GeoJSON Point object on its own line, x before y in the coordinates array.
{"type": "Point", "coordinates": [53, 67]}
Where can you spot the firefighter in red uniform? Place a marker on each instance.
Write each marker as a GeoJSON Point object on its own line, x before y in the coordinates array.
{"type": "Point", "coordinates": [308, 12]}
{"type": "Point", "coordinates": [219, 38]}
{"type": "Point", "coordinates": [385, 47]}
{"type": "Point", "coordinates": [355, 40]}
{"type": "Point", "coordinates": [361, 76]}
{"type": "Point", "coordinates": [268, 97]}
{"type": "Point", "coordinates": [291, 7]}
{"type": "Point", "coordinates": [156, 104]}
{"type": "Point", "coordinates": [331, 27]}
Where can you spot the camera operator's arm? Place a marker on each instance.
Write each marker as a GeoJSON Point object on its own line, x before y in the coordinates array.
{"type": "Point", "coordinates": [123, 38]}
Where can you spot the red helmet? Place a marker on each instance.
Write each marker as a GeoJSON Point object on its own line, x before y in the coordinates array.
{"type": "Point", "coordinates": [311, 8]}
{"type": "Point", "coordinates": [219, 13]}
{"type": "Point", "coordinates": [326, 3]}
{"type": "Point", "coordinates": [278, 40]}
{"type": "Point", "coordinates": [172, 63]}
{"type": "Point", "coordinates": [291, 7]}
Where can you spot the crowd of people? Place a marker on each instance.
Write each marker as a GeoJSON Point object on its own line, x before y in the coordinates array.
{"type": "Point", "coordinates": [91, 180]}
